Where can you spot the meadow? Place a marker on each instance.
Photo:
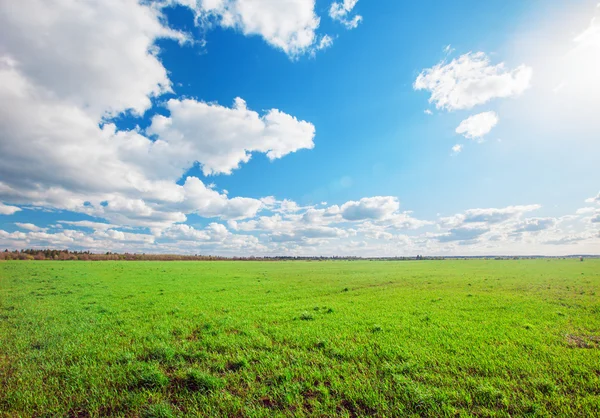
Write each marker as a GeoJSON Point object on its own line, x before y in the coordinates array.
{"type": "Point", "coordinates": [331, 338]}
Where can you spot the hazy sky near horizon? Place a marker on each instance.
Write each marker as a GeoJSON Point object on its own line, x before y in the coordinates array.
{"type": "Point", "coordinates": [301, 127]}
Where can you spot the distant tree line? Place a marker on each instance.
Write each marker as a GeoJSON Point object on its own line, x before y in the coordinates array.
{"type": "Point", "coordinates": [65, 255]}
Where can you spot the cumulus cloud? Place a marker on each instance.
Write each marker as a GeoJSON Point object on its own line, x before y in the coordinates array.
{"type": "Point", "coordinates": [497, 215]}
{"type": "Point", "coordinates": [309, 235]}
{"type": "Point", "coordinates": [209, 203]}
{"type": "Point", "coordinates": [378, 207]}
{"type": "Point", "coordinates": [488, 216]}
{"type": "Point", "coordinates": [462, 234]}
{"type": "Point", "coordinates": [214, 237]}
{"type": "Point", "coordinates": [456, 149]}
{"type": "Point", "coordinates": [100, 241]}
{"type": "Point", "coordinates": [221, 138]}
{"type": "Point", "coordinates": [29, 226]}
{"type": "Point", "coordinates": [595, 199]}
{"type": "Point", "coordinates": [471, 80]}
{"type": "Point", "coordinates": [289, 25]}
{"type": "Point", "coordinates": [535, 224]}
{"type": "Point", "coordinates": [107, 64]}
{"type": "Point", "coordinates": [375, 217]}
{"type": "Point", "coordinates": [477, 126]}
{"type": "Point", "coordinates": [340, 12]}
{"type": "Point", "coordinates": [95, 55]}
{"type": "Point", "coordinates": [313, 230]}
{"type": "Point", "coordinates": [8, 210]}
{"type": "Point", "coordinates": [101, 226]}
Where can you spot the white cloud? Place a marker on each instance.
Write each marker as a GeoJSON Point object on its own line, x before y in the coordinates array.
{"type": "Point", "coordinates": [595, 199]}
{"type": "Point", "coordinates": [567, 240]}
{"type": "Point", "coordinates": [289, 25]}
{"type": "Point", "coordinates": [96, 59]}
{"type": "Point", "coordinates": [493, 215]}
{"type": "Point", "coordinates": [378, 207]}
{"type": "Point", "coordinates": [471, 80]}
{"type": "Point", "coordinates": [535, 224]}
{"type": "Point", "coordinates": [325, 42]}
{"type": "Point", "coordinates": [124, 237]}
{"type": "Point", "coordinates": [215, 237]}
{"type": "Point", "coordinates": [98, 241]}
{"type": "Point", "coordinates": [457, 149]}
{"type": "Point", "coordinates": [29, 226]}
{"type": "Point", "coordinates": [8, 210]}
{"type": "Point", "coordinates": [462, 234]}
{"type": "Point", "coordinates": [323, 231]}
{"type": "Point", "coordinates": [428, 112]}
{"type": "Point", "coordinates": [489, 216]}
{"type": "Point", "coordinates": [96, 55]}
{"type": "Point", "coordinates": [340, 11]}
{"type": "Point", "coordinates": [209, 203]}
{"type": "Point", "coordinates": [448, 49]}
{"type": "Point", "coordinates": [477, 126]}
{"type": "Point", "coordinates": [101, 226]}
{"type": "Point", "coordinates": [221, 138]}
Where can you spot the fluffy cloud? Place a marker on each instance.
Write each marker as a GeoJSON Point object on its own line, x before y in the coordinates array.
{"type": "Point", "coordinates": [309, 235]}
{"type": "Point", "coordinates": [595, 199]}
{"type": "Point", "coordinates": [29, 226]}
{"type": "Point", "coordinates": [289, 25]}
{"type": "Point", "coordinates": [215, 237]}
{"type": "Point", "coordinates": [477, 126]}
{"type": "Point", "coordinates": [110, 240]}
{"type": "Point", "coordinates": [324, 231]}
{"type": "Point", "coordinates": [96, 60]}
{"type": "Point", "coordinates": [535, 224]}
{"type": "Point", "coordinates": [101, 226]}
{"type": "Point", "coordinates": [8, 210]}
{"type": "Point", "coordinates": [488, 215]}
{"type": "Point", "coordinates": [325, 42]}
{"type": "Point", "coordinates": [471, 80]}
{"type": "Point", "coordinates": [378, 207]}
{"type": "Point", "coordinates": [493, 215]}
{"type": "Point", "coordinates": [340, 11]}
{"type": "Point", "coordinates": [462, 234]}
{"type": "Point", "coordinates": [95, 55]}
{"type": "Point", "coordinates": [457, 149]}
{"type": "Point", "coordinates": [374, 216]}
{"type": "Point", "coordinates": [221, 138]}
{"type": "Point", "coordinates": [566, 240]}
{"type": "Point", "coordinates": [209, 203]}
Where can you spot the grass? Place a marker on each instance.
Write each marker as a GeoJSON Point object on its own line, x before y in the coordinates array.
{"type": "Point", "coordinates": [424, 338]}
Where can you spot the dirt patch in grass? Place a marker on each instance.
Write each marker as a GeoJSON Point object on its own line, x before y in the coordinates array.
{"type": "Point", "coordinates": [583, 341]}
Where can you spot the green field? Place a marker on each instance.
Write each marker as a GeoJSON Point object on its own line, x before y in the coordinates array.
{"type": "Point", "coordinates": [347, 338]}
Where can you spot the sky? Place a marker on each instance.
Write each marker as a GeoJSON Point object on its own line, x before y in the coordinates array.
{"type": "Point", "coordinates": [301, 127]}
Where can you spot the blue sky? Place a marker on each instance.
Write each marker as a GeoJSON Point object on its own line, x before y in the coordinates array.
{"type": "Point", "coordinates": [252, 127]}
